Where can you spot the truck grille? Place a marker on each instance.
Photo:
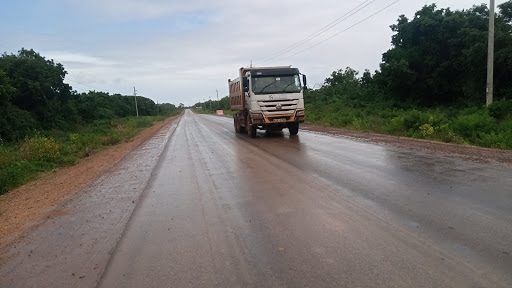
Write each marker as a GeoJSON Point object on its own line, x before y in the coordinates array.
{"type": "Point", "coordinates": [278, 106]}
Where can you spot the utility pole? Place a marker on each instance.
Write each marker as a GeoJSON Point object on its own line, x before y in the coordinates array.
{"type": "Point", "coordinates": [210, 100]}
{"type": "Point", "coordinates": [135, 96]}
{"type": "Point", "coordinates": [218, 104]}
{"type": "Point", "coordinates": [490, 56]}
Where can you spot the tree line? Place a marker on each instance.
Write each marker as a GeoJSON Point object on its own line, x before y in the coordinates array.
{"type": "Point", "coordinates": [212, 105]}
{"type": "Point", "coordinates": [34, 97]}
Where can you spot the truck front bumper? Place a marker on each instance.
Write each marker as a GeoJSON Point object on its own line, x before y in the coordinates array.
{"type": "Point", "coordinates": [261, 119]}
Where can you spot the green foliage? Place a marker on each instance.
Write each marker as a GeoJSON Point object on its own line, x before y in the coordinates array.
{"type": "Point", "coordinates": [40, 149]}
{"type": "Point", "coordinates": [211, 106]}
{"type": "Point", "coordinates": [431, 84]}
{"type": "Point", "coordinates": [52, 149]}
{"type": "Point", "coordinates": [15, 124]}
{"type": "Point", "coordinates": [44, 124]}
{"type": "Point", "coordinates": [439, 57]}
{"type": "Point", "coordinates": [14, 173]}
{"type": "Point", "coordinates": [348, 102]}
{"type": "Point", "coordinates": [506, 11]}
{"type": "Point", "coordinates": [488, 127]}
{"type": "Point", "coordinates": [426, 130]}
{"type": "Point", "coordinates": [143, 122]}
{"type": "Point", "coordinates": [501, 109]}
{"type": "Point", "coordinates": [34, 97]}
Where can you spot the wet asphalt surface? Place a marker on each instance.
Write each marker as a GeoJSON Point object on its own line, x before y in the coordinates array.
{"type": "Point", "coordinates": [223, 210]}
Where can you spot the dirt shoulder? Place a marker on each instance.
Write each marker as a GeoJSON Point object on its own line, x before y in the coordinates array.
{"type": "Point", "coordinates": [473, 153]}
{"type": "Point", "coordinates": [35, 201]}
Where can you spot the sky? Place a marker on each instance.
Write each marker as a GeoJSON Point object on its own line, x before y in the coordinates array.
{"type": "Point", "coordinates": [185, 51]}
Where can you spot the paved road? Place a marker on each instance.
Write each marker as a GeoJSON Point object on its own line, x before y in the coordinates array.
{"type": "Point", "coordinates": [225, 210]}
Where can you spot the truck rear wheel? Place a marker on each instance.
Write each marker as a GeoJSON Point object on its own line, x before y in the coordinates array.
{"type": "Point", "coordinates": [240, 127]}
{"type": "Point", "coordinates": [236, 124]}
{"type": "Point", "coordinates": [293, 127]}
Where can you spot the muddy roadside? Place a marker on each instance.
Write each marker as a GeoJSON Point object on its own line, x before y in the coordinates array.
{"type": "Point", "coordinates": [30, 204]}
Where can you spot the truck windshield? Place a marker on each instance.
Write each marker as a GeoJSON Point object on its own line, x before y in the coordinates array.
{"type": "Point", "coordinates": [276, 84]}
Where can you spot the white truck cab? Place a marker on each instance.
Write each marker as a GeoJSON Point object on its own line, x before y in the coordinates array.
{"type": "Point", "coordinates": [268, 98]}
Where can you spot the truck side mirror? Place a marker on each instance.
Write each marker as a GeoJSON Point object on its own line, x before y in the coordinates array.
{"type": "Point", "coordinates": [245, 83]}
{"type": "Point", "coordinates": [305, 81]}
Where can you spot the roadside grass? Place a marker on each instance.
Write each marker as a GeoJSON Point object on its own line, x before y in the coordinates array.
{"type": "Point", "coordinates": [49, 150]}
{"type": "Point", "coordinates": [481, 126]}
{"type": "Point", "coordinates": [230, 112]}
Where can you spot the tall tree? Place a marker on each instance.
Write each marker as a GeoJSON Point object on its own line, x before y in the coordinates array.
{"type": "Point", "coordinates": [439, 57]}
{"type": "Point", "coordinates": [39, 84]}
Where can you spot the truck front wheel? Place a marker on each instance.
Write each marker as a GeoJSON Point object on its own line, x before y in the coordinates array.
{"type": "Point", "coordinates": [251, 129]}
{"type": "Point", "coordinates": [293, 127]}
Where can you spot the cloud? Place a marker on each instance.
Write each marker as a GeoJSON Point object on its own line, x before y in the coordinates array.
{"type": "Point", "coordinates": [130, 10]}
{"type": "Point", "coordinates": [182, 51]}
{"type": "Point", "coordinates": [191, 66]}
{"type": "Point", "coordinates": [76, 58]}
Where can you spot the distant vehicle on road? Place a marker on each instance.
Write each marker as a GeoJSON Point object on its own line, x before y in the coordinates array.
{"type": "Point", "coordinates": [269, 98]}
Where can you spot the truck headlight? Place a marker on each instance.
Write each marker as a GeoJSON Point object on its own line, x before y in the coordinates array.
{"type": "Point", "coordinates": [257, 116]}
{"type": "Point", "coordinates": [300, 113]}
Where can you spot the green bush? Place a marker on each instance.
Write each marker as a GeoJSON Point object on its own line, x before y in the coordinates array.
{"type": "Point", "coordinates": [412, 120]}
{"type": "Point", "coordinates": [40, 149]}
{"type": "Point", "coordinates": [15, 124]}
{"type": "Point", "coordinates": [473, 124]}
{"type": "Point", "coordinates": [487, 127]}
{"type": "Point", "coordinates": [15, 173]}
{"type": "Point", "coordinates": [505, 129]}
{"type": "Point", "coordinates": [143, 123]}
{"type": "Point", "coordinates": [111, 140]}
{"type": "Point", "coordinates": [501, 109]}
{"type": "Point", "coordinates": [426, 130]}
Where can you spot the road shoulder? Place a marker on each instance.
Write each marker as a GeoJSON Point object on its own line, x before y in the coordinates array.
{"type": "Point", "coordinates": [473, 153]}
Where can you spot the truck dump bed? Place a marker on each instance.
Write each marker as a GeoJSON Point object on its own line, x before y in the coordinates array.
{"type": "Point", "coordinates": [236, 95]}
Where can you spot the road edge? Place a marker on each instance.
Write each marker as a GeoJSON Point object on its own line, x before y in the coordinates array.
{"type": "Point", "coordinates": [28, 256]}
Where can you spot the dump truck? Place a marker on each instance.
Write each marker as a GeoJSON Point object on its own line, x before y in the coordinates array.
{"type": "Point", "coordinates": [268, 98]}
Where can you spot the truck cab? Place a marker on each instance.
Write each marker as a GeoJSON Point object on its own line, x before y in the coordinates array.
{"type": "Point", "coordinates": [269, 98]}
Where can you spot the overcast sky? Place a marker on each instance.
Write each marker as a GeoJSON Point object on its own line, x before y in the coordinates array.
{"type": "Point", "coordinates": [183, 51]}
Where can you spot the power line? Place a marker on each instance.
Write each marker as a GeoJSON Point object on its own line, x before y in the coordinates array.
{"type": "Point", "coordinates": [317, 33]}
{"type": "Point", "coordinates": [94, 87]}
{"type": "Point", "coordinates": [310, 37]}
{"type": "Point", "coordinates": [343, 31]}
